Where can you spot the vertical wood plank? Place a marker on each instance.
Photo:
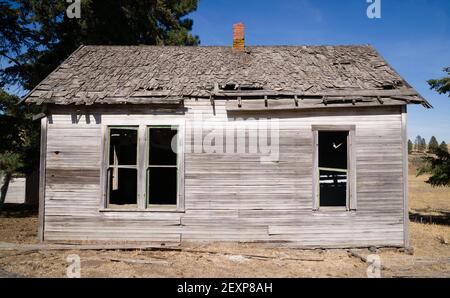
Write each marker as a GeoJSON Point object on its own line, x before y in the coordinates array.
{"type": "Point", "coordinates": [42, 165]}
{"type": "Point", "coordinates": [103, 164]}
{"type": "Point", "coordinates": [181, 152]}
{"type": "Point", "coordinates": [142, 167]}
{"type": "Point", "coordinates": [315, 174]}
{"type": "Point", "coordinates": [405, 176]}
{"type": "Point", "coordinates": [352, 178]}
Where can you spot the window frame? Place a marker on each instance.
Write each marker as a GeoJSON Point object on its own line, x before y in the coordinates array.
{"type": "Point", "coordinates": [148, 166]}
{"type": "Point", "coordinates": [142, 162]}
{"type": "Point", "coordinates": [351, 200]}
{"type": "Point", "coordinates": [108, 166]}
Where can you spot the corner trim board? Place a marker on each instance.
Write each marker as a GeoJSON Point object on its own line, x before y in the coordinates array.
{"type": "Point", "coordinates": [405, 178]}
{"type": "Point", "coordinates": [42, 166]}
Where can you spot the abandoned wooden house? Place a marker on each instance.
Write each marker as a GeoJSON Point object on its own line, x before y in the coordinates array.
{"type": "Point", "coordinates": [297, 145]}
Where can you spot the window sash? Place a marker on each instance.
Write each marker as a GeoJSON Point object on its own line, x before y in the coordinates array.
{"type": "Point", "coordinates": [148, 204]}
{"type": "Point", "coordinates": [136, 128]}
{"type": "Point", "coordinates": [108, 183]}
{"type": "Point", "coordinates": [110, 167]}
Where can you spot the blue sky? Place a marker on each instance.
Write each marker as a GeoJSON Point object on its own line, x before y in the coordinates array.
{"type": "Point", "coordinates": [412, 35]}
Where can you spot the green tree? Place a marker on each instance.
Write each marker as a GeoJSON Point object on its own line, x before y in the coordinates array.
{"type": "Point", "coordinates": [410, 146]}
{"type": "Point", "coordinates": [41, 35]}
{"type": "Point", "coordinates": [442, 85]}
{"type": "Point", "coordinates": [433, 144]}
{"type": "Point", "coordinates": [421, 144]}
{"type": "Point", "coordinates": [438, 167]}
{"type": "Point", "coordinates": [19, 140]}
{"type": "Point", "coordinates": [37, 35]}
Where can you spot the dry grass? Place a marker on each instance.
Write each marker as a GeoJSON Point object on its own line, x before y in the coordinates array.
{"type": "Point", "coordinates": [18, 230]}
{"type": "Point", "coordinates": [424, 197]}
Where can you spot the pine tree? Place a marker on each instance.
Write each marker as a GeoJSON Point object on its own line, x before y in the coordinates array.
{"type": "Point", "coordinates": [439, 166]}
{"type": "Point", "coordinates": [410, 146]}
{"type": "Point", "coordinates": [36, 36]}
{"type": "Point", "coordinates": [442, 85]}
{"type": "Point", "coordinates": [433, 144]}
{"type": "Point", "coordinates": [19, 140]}
{"type": "Point", "coordinates": [418, 142]}
{"type": "Point", "coordinates": [423, 145]}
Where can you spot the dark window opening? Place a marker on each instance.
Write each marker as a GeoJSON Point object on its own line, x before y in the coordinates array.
{"type": "Point", "coordinates": [160, 149]}
{"type": "Point", "coordinates": [333, 168]}
{"type": "Point", "coordinates": [122, 168]}
{"type": "Point", "coordinates": [122, 146]}
{"type": "Point", "coordinates": [162, 170]}
{"type": "Point", "coordinates": [163, 186]}
{"type": "Point", "coordinates": [122, 188]}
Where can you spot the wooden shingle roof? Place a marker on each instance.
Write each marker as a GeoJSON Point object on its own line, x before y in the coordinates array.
{"type": "Point", "coordinates": [141, 74]}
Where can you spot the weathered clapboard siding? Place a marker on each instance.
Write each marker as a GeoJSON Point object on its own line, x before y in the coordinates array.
{"type": "Point", "coordinates": [230, 197]}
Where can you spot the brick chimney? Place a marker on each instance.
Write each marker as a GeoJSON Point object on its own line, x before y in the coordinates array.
{"type": "Point", "coordinates": [238, 37]}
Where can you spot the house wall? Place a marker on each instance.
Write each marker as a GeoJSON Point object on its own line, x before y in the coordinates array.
{"type": "Point", "coordinates": [16, 190]}
{"type": "Point", "coordinates": [230, 197]}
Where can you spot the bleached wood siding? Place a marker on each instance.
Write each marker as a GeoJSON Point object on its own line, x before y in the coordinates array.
{"type": "Point", "coordinates": [16, 190]}
{"type": "Point", "coordinates": [231, 197]}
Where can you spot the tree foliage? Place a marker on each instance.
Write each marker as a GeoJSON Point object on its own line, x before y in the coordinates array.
{"type": "Point", "coordinates": [433, 144]}
{"type": "Point", "coordinates": [442, 85]}
{"type": "Point", "coordinates": [438, 167]}
{"type": "Point", "coordinates": [410, 146]}
{"type": "Point", "coordinates": [420, 144]}
{"type": "Point", "coordinates": [37, 35]}
{"type": "Point", "coordinates": [19, 140]}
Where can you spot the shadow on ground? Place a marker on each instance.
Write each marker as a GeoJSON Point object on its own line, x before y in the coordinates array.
{"type": "Point", "coordinates": [439, 217]}
{"type": "Point", "coordinates": [18, 210]}
{"type": "Point", "coordinates": [6, 274]}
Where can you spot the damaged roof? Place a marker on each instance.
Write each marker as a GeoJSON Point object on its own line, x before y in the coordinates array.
{"type": "Point", "coordinates": [140, 74]}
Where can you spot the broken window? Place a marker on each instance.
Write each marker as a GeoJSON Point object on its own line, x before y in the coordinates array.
{"type": "Point", "coordinates": [122, 168]}
{"type": "Point", "coordinates": [162, 167]}
{"type": "Point", "coordinates": [333, 168]}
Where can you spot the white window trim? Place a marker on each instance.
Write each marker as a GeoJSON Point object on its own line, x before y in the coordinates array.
{"type": "Point", "coordinates": [143, 129]}
{"type": "Point", "coordinates": [351, 203]}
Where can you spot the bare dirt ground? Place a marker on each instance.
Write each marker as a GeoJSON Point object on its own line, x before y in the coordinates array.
{"type": "Point", "coordinates": [430, 258]}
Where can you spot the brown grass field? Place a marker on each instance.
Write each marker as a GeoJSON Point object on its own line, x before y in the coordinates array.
{"type": "Point", "coordinates": [430, 239]}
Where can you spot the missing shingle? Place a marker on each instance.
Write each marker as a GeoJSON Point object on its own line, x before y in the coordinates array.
{"type": "Point", "coordinates": [229, 86]}
{"type": "Point", "coordinates": [251, 87]}
{"type": "Point", "coordinates": [240, 87]}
